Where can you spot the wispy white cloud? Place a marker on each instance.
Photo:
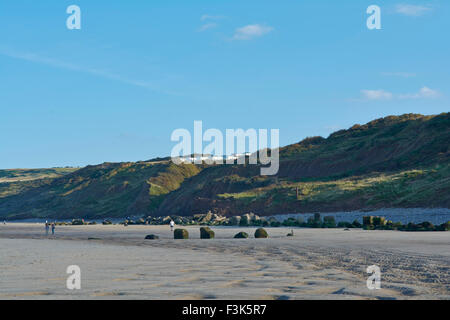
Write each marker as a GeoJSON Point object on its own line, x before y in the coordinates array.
{"type": "Point", "coordinates": [209, 22]}
{"type": "Point", "coordinates": [399, 74]}
{"type": "Point", "coordinates": [69, 66]}
{"type": "Point", "coordinates": [376, 94]}
{"type": "Point", "coordinates": [207, 26]}
{"type": "Point", "coordinates": [412, 10]}
{"type": "Point", "coordinates": [251, 31]}
{"type": "Point", "coordinates": [211, 17]}
{"type": "Point", "coordinates": [423, 93]}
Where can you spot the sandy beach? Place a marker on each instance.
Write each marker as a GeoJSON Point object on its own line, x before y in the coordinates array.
{"type": "Point", "coordinates": [118, 263]}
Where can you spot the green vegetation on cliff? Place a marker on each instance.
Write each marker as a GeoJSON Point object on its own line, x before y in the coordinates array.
{"type": "Point", "coordinates": [390, 162]}
{"type": "Point", "coordinates": [106, 190]}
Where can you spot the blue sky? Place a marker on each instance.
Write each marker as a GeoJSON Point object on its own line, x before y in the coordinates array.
{"type": "Point", "coordinates": [137, 70]}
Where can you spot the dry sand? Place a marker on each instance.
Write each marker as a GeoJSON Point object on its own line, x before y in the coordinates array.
{"type": "Point", "coordinates": [314, 264]}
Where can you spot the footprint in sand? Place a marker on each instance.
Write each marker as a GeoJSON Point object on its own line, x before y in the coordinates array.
{"type": "Point", "coordinates": [234, 284]}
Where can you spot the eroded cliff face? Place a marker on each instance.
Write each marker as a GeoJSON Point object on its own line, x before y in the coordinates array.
{"type": "Point", "coordinates": [391, 162]}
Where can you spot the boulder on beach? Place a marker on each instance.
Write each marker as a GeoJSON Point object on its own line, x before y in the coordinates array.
{"type": "Point", "coordinates": [204, 218]}
{"type": "Point", "coordinates": [368, 220]}
{"type": "Point", "coordinates": [217, 219]}
{"type": "Point", "coordinates": [151, 237]}
{"type": "Point", "coordinates": [428, 225]}
{"type": "Point", "coordinates": [206, 233]}
{"type": "Point", "coordinates": [235, 220]}
{"type": "Point", "coordinates": [166, 220]}
{"type": "Point", "coordinates": [254, 217]}
{"type": "Point", "coordinates": [379, 221]}
{"type": "Point", "coordinates": [445, 226]}
{"type": "Point", "coordinates": [78, 222]}
{"type": "Point", "coordinates": [207, 218]}
{"type": "Point", "coordinates": [356, 224]}
{"type": "Point", "coordinates": [180, 234]}
{"type": "Point", "coordinates": [178, 220]}
{"type": "Point", "coordinates": [241, 235]}
{"type": "Point", "coordinates": [245, 220]}
{"type": "Point", "coordinates": [261, 233]}
{"type": "Point", "coordinates": [329, 222]}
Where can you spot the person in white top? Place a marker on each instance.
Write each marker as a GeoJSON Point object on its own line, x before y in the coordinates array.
{"type": "Point", "coordinates": [172, 224]}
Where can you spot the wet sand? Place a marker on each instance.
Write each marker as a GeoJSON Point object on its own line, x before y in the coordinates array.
{"type": "Point", "coordinates": [117, 263]}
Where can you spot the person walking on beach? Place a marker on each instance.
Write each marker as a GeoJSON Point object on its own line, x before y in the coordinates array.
{"type": "Point", "coordinates": [46, 228]}
{"type": "Point", "coordinates": [172, 224]}
{"type": "Point", "coordinates": [53, 228]}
